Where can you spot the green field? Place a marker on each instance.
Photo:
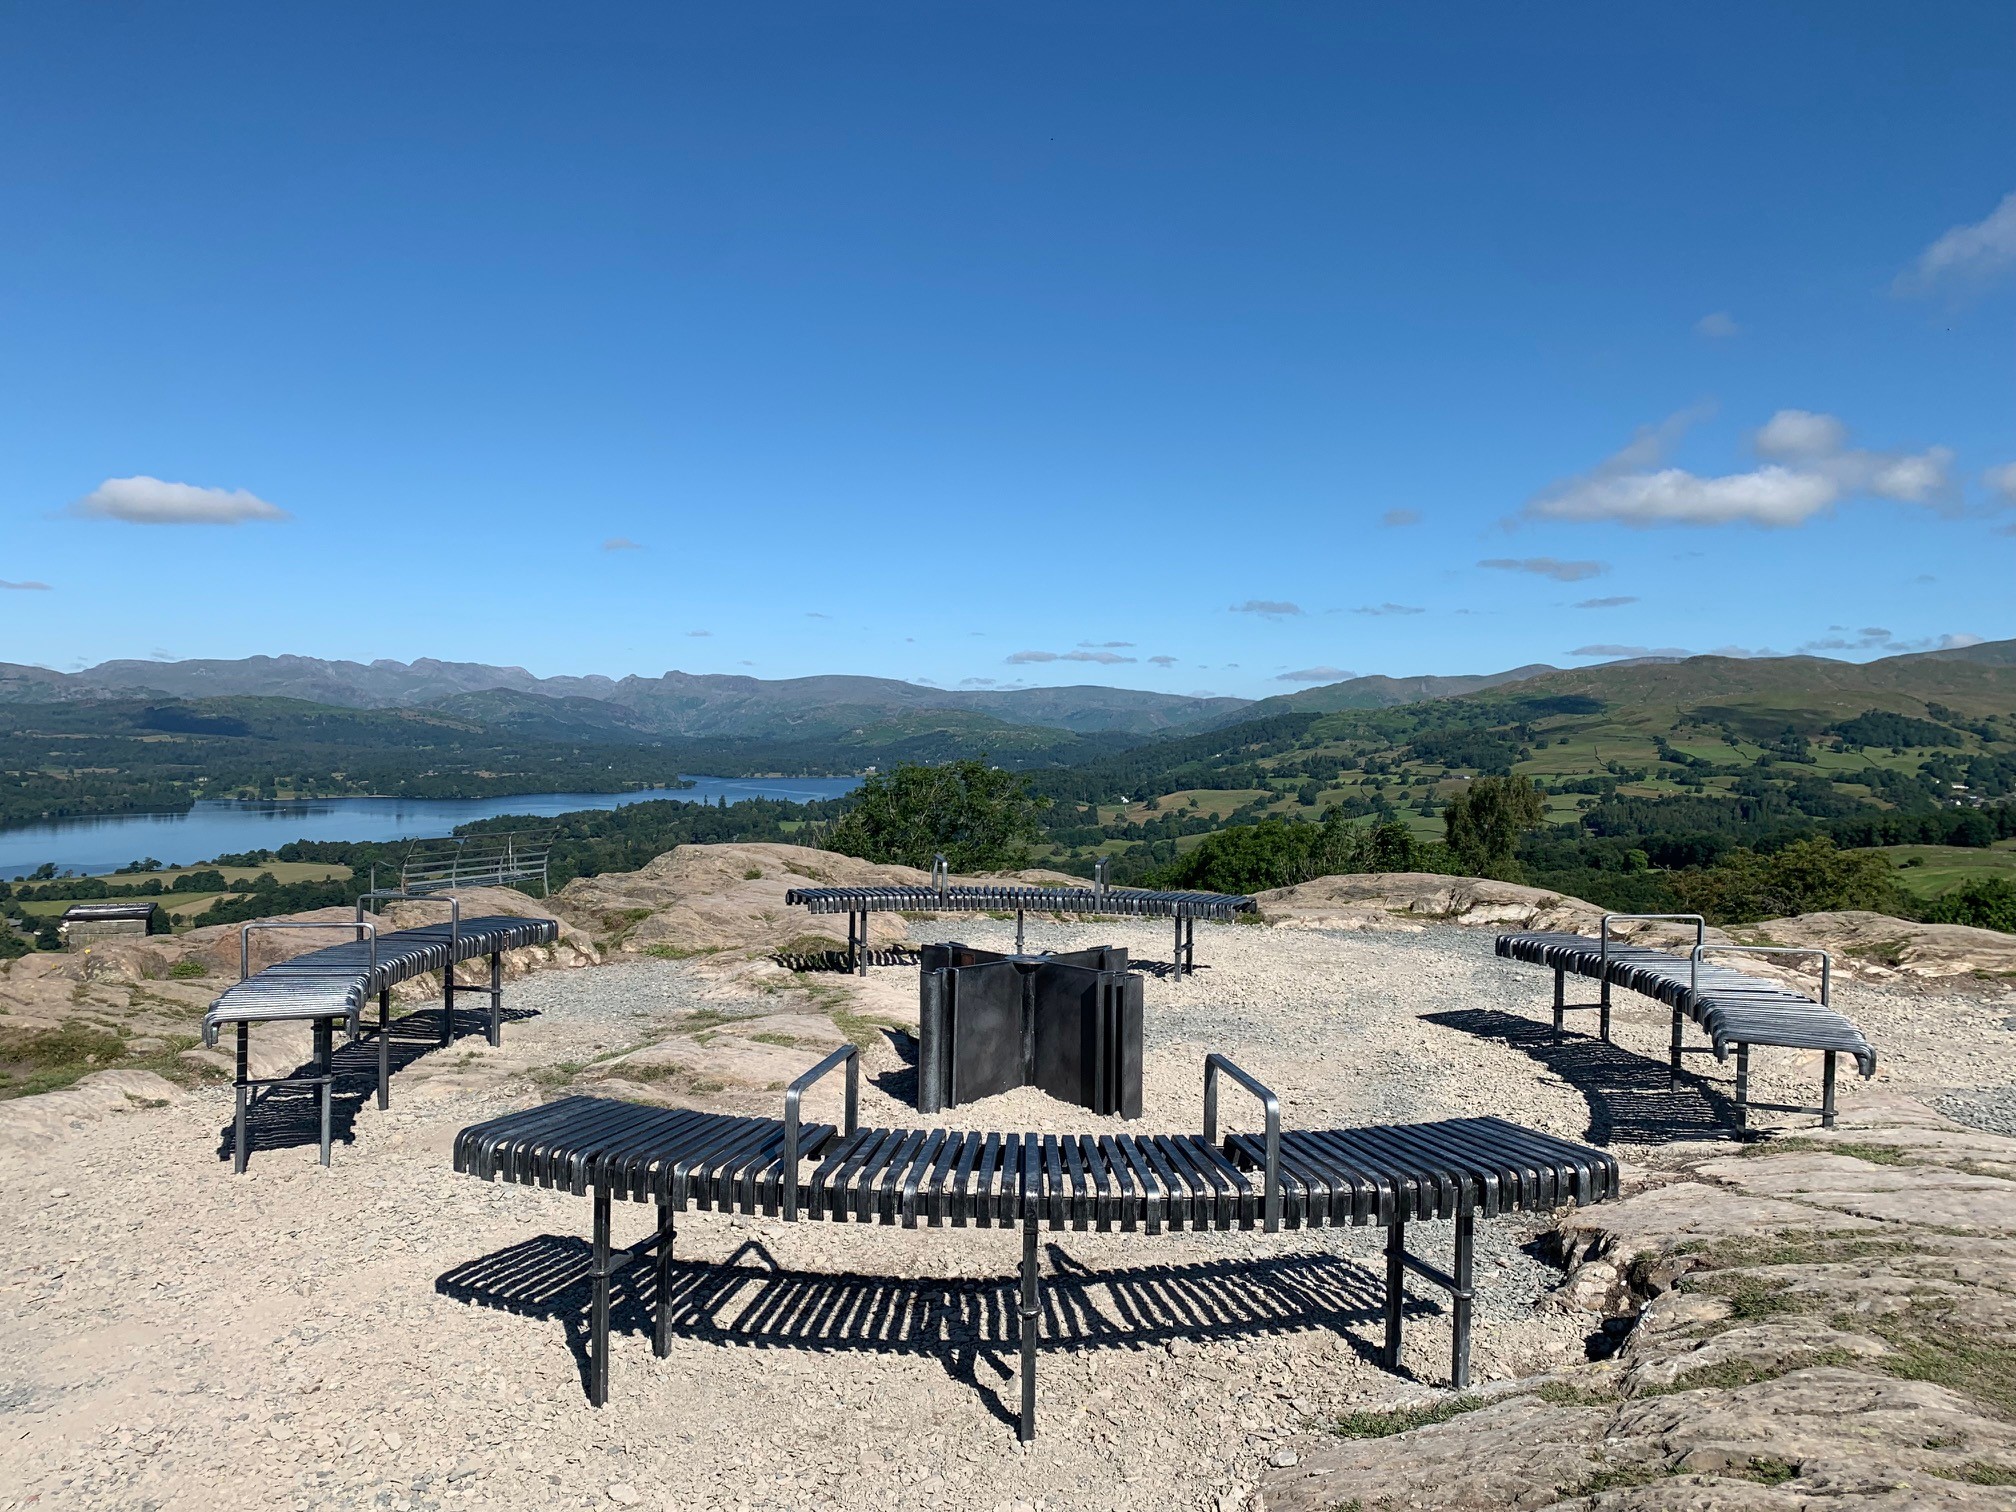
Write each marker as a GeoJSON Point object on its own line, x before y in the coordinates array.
{"type": "Point", "coordinates": [1926, 871]}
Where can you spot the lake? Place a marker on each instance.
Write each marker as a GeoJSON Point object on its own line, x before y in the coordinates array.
{"type": "Point", "coordinates": [102, 842]}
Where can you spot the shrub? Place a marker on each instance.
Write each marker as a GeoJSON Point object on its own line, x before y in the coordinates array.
{"type": "Point", "coordinates": [978, 817]}
{"type": "Point", "coordinates": [1985, 903]}
{"type": "Point", "coordinates": [1809, 876]}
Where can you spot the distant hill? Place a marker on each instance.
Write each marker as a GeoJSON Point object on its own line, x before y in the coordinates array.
{"type": "Point", "coordinates": [1372, 693]}
{"type": "Point", "coordinates": [675, 704]}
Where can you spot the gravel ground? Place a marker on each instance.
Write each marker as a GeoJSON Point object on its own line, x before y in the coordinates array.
{"type": "Point", "coordinates": [386, 1334]}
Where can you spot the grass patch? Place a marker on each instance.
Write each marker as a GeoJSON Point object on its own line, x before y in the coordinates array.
{"type": "Point", "coordinates": [789, 1041]}
{"type": "Point", "coordinates": [1981, 1473]}
{"type": "Point", "coordinates": [679, 952]}
{"type": "Point", "coordinates": [1563, 1394]}
{"type": "Point", "coordinates": [1931, 1346]}
{"type": "Point", "coordinates": [1370, 1425]}
{"type": "Point", "coordinates": [1616, 1478]}
{"type": "Point", "coordinates": [1730, 1374]}
{"type": "Point", "coordinates": [1766, 1471]}
{"type": "Point", "coordinates": [753, 874]}
{"type": "Point", "coordinates": [1794, 1247]}
{"type": "Point", "coordinates": [1874, 1154]}
{"type": "Point", "coordinates": [187, 971]}
{"type": "Point", "coordinates": [48, 1060]}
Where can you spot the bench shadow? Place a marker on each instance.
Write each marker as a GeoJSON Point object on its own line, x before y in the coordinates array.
{"type": "Point", "coordinates": [967, 1324]}
{"type": "Point", "coordinates": [1630, 1096]}
{"type": "Point", "coordinates": [288, 1117]}
{"type": "Point", "coordinates": [838, 960]}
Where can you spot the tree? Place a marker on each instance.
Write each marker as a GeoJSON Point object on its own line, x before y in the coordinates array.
{"type": "Point", "coordinates": [1809, 876]}
{"type": "Point", "coordinates": [1483, 824]}
{"type": "Point", "coordinates": [978, 817]}
{"type": "Point", "coordinates": [1985, 903]}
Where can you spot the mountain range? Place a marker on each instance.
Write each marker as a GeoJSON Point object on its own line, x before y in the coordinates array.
{"type": "Point", "coordinates": [682, 705]}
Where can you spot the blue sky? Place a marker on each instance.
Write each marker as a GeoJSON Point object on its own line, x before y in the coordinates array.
{"type": "Point", "coordinates": [1177, 346]}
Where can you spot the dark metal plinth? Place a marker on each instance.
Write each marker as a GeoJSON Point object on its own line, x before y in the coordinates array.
{"type": "Point", "coordinates": [1070, 1025]}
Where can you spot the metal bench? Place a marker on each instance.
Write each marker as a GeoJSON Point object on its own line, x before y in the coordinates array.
{"type": "Point", "coordinates": [1098, 900]}
{"type": "Point", "coordinates": [1460, 1169]}
{"type": "Point", "coordinates": [326, 985]}
{"type": "Point", "coordinates": [1735, 1010]}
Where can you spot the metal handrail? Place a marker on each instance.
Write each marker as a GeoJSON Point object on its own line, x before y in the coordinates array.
{"type": "Point", "coordinates": [399, 894]}
{"type": "Point", "coordinates": [1603, 943]}
{"type": "Point", "coordinates": [1271, 1106]}
{"type": "Point", "coordinates": [941, 875]}
{"type": "Point", "coordinates": [245, 938]}
{"type": "Point", "coordinates": [793, 1094]}
{"type": "Point", "coordinates": [1826, 962]}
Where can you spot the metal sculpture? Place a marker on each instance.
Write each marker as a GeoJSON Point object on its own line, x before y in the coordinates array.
{"type": "Point", "coordinates": [1068, 1024]}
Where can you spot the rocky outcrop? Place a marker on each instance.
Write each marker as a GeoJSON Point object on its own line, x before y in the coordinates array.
{"type": "Point", "coordinates": [1388, 900]}
{"type": "Point", "coordinates": [1880, 948]}
{"type": "Point", "coordinates": [730, 898]}
{"type": "Point", "coordinates": [1826, 1320]}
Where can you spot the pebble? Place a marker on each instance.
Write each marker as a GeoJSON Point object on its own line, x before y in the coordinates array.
{"type": "Point", "coordinates": [625, 1495]}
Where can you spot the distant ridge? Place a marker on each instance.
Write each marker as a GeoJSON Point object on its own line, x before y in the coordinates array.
{"type": "Point", "coordinates": [1375, 693]}
{"type": "Point", "coordinates": [675, 704]}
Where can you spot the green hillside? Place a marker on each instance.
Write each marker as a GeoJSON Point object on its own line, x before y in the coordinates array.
{"type": "Point", "coordinates": [1642, 767]}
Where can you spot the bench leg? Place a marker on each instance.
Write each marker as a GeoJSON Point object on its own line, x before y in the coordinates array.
{"type": "Point", "coordinates": [448, 1005]}
{"type": "Point", "coordinates": [325, 1071]}
{"type": "Point", "coordinates": [1827, 1092]}
{"type": "Point", "coordinates": [1673, 1081]}
{"type": "Point", "coordinates": [1560, 1003]}
{"type": "Point", "coordinates": [1025, 1428]}
{"type": "Point", "coordinates": [240, 1151]}
{"type": "Point", "coordinates": [1396, 1287]}
{"type": "Point", "coordinates": [1604, 1016]}
{"type": "Point", "coordinates": [1742, 1086]}
{"type": "Point", "coordinates": [384, 1048]}
{"type": "Point", "coordinates": [598, 1313]}
{"type": "Point", "coordinates": [661, 1338]}
{"type": "Point", "coordinates": [496, 997]}
{"type": "Point", "coordinates": [1460, 1300]}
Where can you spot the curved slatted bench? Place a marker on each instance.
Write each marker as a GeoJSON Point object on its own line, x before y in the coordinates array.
{"type": "Point", "coordinates": [1460, 1169]}
{"type": "Point", "coordinates": [1736, 1011]}
{"type": "Point", "coordinates": [323, 986]}
{"type": "Point", "coordinates": [1098, 900]}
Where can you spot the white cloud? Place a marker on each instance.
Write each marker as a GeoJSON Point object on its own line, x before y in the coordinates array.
{"type": "Point", "coordinates": [1809, 468]}
{"type": "Point", "coordinates": [621, 543]}
{"type": "Point", "coordinates": [1719, 326]}
{"type": "Point", "coordinates": [1966, 255]}
{"type": "Point", "coordinates": [1317, 675]}
{"type": "Point", "coordinates": [1107, 645]}
{"type": "Point", "coordinates": [1794, 435]}
{"type": "Point", "coordinates": [1104, 658]}
{"type": "Point", "coordinates": [1271, 608]}
{"type": "Point", "coordinates": [1163, 661]}
{"type": "Point", "coordinates": [25, 587]}
{"type": "Point", "coordinates": [815, 614]}
{"type": "Point", "coordinates": [1616, 652]}
{"type": "Point", "coordinates": [1616, 601]}
{"type": "Point", "coordinates": [697, 633]}
{"type": "Point", "coordinates": [149, 501]}
{"type": "Point", "coordinates": [976, 682]}
{"type": "Point", "coordinates": [1388, 609]}
{"type": "Point", "coordinates": [1400, 517]}
{"type": "Point", "coordinates": [1960, 640]}
{"type": "Point", "coordinates": [2003, 481]}
{"type": "Point", "coordinates": [1550, 567]}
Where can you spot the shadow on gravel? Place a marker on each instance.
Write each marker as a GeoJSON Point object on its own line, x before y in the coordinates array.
{"type": "Point", "coordinates": [840, 961]}
{"type": "Point", "coordinates": [1630, 1097]}
{"type": "Point", "coordinates": [286, 1117]}
{"type": "Point", "coordinates": [749, 1300]}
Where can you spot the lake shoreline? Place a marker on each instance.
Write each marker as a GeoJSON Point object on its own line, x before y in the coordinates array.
{"type": "Point", "coordinates": [98, 844]}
